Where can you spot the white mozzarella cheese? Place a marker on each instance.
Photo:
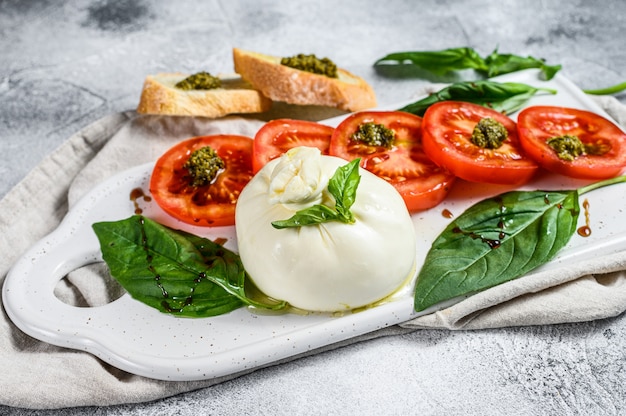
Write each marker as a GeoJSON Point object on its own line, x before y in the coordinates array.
{"type": "Point", "coordinates": [331, 266]}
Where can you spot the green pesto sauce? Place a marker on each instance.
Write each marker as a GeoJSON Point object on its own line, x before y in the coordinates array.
{"type": "Point", "coordinates": [598, 148]}
{"type": "Point", "coordinates": [203, 166]}
{"type": "Point", "coordinates": [374, 134]}
{"type": "Point", "coordinates": [199, 81]}
{"type": "Point", "coordinates": [567, 147]}
{"type": "Point", "coordinates": [489, 133]}
{"type": "Point", "coordinates": [311, 63]}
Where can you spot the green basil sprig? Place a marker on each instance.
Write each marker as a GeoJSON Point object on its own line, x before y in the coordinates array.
{"type": "Point", "coordinates": [505, 97]}
{"type": "Point", "coordinates": [454, 59]}
{"type": "Point", "coordinates": [499, 64]}
{"type": "Point", "coordinates": [342, 186]}
{"type": "Point", "coordinates": [613, 89]}
{"type": "Point", "coordinates": [174, 271]}
{"type": "Point", "coordinates": [497, 240]}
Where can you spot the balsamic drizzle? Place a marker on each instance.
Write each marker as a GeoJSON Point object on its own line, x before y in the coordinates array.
{"type": "Point", "coordinates": [166, 303]}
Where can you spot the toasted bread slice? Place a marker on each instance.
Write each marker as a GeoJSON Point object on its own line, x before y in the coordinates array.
{"type": "Point", "coordinates": [160, 96]}
{"type": "Point", "coordinates": [281, 83]}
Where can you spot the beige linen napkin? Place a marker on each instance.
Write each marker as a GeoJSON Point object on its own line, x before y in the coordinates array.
{"type": "Point", "coordinates": [118, 142]}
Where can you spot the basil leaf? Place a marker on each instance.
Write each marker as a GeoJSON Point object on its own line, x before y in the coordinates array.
{"type": "Point", "coordinates": [439, 62]}
{"type": "Point", "coordinates": [227, 270]}
{"type": "Point", "coordinates": [494, 241]}
{"type": "Point", "coordinates": [342, 186]}
{"type": "Point", "coordinates": [505, 97]}
{"type": "Point", "coordinates": [173, 271]}
{"type": "Point", "coordinates": [316, 214]}
{"type": "Point", "coordinates": [499, 64]}
{"type": "Point", "coordinates": [613, 89]}
{"type": "Point", "coordinates": [454, 59]}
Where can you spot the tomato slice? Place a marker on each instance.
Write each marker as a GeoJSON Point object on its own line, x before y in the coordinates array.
{"type": "Point", "coordinates": [278, 136]}
{"type": "Point", "coordinates": [448, 127]}
{"type": "Point", "coordinates": [207, 205]}
{"type": "Point", "coordinates": [421, 183]}
{"type": "Point", "coordinates": [539, 123]}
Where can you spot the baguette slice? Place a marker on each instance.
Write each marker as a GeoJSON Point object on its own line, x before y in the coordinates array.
{"type": "Point", "coordinates": [281, 83]}
{"type": "Point", "coordinates": [160, 96]}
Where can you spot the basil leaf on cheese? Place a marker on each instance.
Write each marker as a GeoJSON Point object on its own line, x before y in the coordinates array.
{"type": "Point", "coordinates": [342, 186]}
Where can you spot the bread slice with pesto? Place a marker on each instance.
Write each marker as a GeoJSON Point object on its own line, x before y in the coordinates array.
{"type": "Point", "coordinates": [233, 95]}
{"type": "Point", "coordinates": [280, 82]}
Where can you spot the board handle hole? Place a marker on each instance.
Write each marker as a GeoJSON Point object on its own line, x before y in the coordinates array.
{"type": "Point", "coordinates": [88, 286]}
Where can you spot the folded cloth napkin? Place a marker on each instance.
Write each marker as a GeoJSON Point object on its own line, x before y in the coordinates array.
{"type": "Point", "coordinates": [594, 290]}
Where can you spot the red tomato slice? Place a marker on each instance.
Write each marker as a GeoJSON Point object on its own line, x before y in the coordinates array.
{"type": "Point", "coordinates": [208, 205]}
{"type": "Point", "coordinates": [538, 124]}
{"type": "Point", "coordinates": [278, 136]}
{"type": "Point", "coordinates": [448, 127]}
{"type": "Point", "coordinates": [421, 183]}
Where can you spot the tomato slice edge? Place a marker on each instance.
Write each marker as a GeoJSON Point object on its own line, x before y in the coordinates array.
{"type": "Point", "coordinates": [277, 136]}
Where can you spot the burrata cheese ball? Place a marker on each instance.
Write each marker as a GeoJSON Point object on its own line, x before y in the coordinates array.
{"type": "Point", "coordinates": [331, 266]}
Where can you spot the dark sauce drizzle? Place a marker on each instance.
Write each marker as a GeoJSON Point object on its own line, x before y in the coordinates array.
{"type": "Point", "coordinates": [495, 243]}
{"type": "Point", "coordinates": [492, 243]}
{"type": "Point", "coordinates": [137, 194]}
{"type": "Point", "coordinates": [165, 303]}
{"type": "Point", "coordinates": [585, 230]}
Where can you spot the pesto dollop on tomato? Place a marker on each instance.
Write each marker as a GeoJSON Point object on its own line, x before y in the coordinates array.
{"type": "Point", "coordinates": [489, 133]}
{"type": "Point", "coordinates": [203, 166]}
{"type": "Point", "coordinates": [374, 134]}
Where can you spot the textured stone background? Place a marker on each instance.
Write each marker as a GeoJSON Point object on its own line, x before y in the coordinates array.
{"type": "Point", "coordinates": [65, 64]}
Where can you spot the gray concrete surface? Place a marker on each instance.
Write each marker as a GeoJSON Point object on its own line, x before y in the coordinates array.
{"type": "Point", "coordinates": [65, 64]}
